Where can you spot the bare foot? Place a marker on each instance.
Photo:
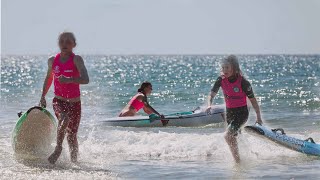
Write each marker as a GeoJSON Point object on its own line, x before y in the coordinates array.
{"type": "Point", "coordinates": [74, 157]}
{"type": "Point", "coordinates": [55, 155]}
{"type": "Point", "coordinates": [237, 160]}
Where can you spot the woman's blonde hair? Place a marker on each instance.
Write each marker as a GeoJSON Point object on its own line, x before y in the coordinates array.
{"type": "Point", "coordinates": [233, 61]}
{"type": "Point", "coordinates": [67, 33]}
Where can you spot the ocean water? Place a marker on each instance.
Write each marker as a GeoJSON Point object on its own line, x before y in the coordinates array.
{"type": "Point", "coordinates": [287, 87]}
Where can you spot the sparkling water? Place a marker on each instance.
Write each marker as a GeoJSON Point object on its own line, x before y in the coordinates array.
{"type": "Point", "coordinates": [287, 87]}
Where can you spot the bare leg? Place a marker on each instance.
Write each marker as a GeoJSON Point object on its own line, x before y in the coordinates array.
{"type": "Point", "coordinates": [63, 123]}
{"type": "Point", "coordinates": [73, 146]}
{"type": "Point", "coordinates": [233, 145]}
{"type": "Point", "coordinates": [127, 113]}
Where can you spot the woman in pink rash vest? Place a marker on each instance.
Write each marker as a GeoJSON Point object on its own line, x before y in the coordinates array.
{"type": "Point", "coordinates": [236, 89]}
{"type": "Point", "coordinates": [140, 101]}
{"type": "Point", "coordinates": [67, 71]}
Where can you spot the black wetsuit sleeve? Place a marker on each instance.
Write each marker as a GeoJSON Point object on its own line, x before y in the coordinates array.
{"type": "Point", "coordinates": [246, 88]}
{"type": "Point", "coordinates": [217, 85]}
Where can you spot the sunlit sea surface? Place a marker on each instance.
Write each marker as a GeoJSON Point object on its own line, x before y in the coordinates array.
{"type": "Point", "coordinates": [287, 87]}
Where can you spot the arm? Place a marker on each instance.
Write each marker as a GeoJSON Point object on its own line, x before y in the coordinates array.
{"type": "Point", "coordinates": [214, 92]}
{"type": "Point", "coordinates": [47, 83]}
{"type": "Point", "coordinates": [147, 107]}
{"type": "Point", "coordinates": [256, 109]}
{"type": "Point", "coordinates": [210, 98]}
{"type": "Point", "coordinates": [246, 87]}
{"type": "Point", "coordinates": [83, 78]}
{"type": "Point", "coordinates": [147, 110]}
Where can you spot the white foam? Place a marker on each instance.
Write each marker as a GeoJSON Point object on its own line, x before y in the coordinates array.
{"type": "Point", "coordinates": [163, 145]}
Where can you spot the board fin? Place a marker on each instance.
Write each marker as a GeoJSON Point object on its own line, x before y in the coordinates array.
{"type": "Point", "coordinates": [19, 114]}
{"type": "Point", "coordinates": [311, 140]}
{"type": "Point", "coordinates": [278, 129]}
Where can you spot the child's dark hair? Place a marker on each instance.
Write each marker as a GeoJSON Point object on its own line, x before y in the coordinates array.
{"type": "Point", "coordinates": [67, 33]}
{"type": "Point", "coordinates": [144, 85]}
{"type": "Point", "coordinates": [233, 61]}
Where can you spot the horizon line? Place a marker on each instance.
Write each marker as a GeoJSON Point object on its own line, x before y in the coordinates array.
{"type": "Point", "coordinates": [171, 54]}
